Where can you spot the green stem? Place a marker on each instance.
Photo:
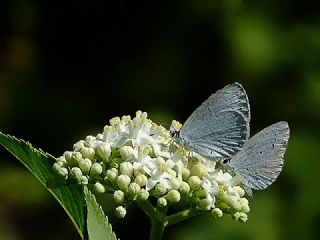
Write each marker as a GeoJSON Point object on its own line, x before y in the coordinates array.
{"type": "Point", "coordinates": [181, 216]}
{"type": "Point", "coordinates": [157, 219]}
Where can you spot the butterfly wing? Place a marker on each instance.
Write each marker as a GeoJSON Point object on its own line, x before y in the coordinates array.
{"type": "Point", "coordinates": [260, 160]}
{"type": "Point", "coordinates": [220, 125]}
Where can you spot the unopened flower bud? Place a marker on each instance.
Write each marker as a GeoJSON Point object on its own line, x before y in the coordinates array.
{"type": "Point", "coordinates": [160, 189]}
{"type": "Point", "coordinates": [185, 174]}
{"type": "Point", "coordinates": [76, 172]}
{"type": "Point", "coordinates": [173, 196]}
{"type": "Point", "coordinates": [143, 194]}
{"type": "Point", "coordinates": [104, 151]}
{"type": "Point", "coordinates": [72, 158]}
{"type": "Point", "coordinates": [123, 181]}
{"type": "Point", "coordinates": [85, 165]}
{"type": "Point", "coordinates": [112, 174]}
{"type": "Point", "coordinates": [118, 196]}
{"type": "Point", "coordinates": [233, 202]}
{"type": "Point", "coordinates": [194, 182]}
{"type": "Point", "coordinates": [240, 216]}
{"type": "Point", "coordinates": [184, 188]}
{"type": "Point", "coordinates": [134, 189]}
{"type": "Point", "coordinates": [141, 179]}
{"type": "Point", "coordinates": [159, 161]}
{"type": "Point", "coordinates": [120, 212]}
{"type": "Point", "coordinates": [126, 152]}
{"type": "Point", "coordinates": [217, 212]}
{"type": "Point", "coordinates": [126, 168]}
{"type": "Point", "coordinates": [88, 152]}
{"type": "Point", "coordinates": [204, 204]}
{"type": "Point", "coordinates": [61, 171]}
{"type": "Point", "coordinates": [83, 180]}
{"type": "Point", "coordinates": [90, 139]}
{"type": "Point", "coordinates": [78, 145]}
{"type": "Point", "coordinates": [99, 136]}
{"type": "Point", "coordinates": [96, 169]}
{"type": "Point", "coordinates": [99, 188]}
{"type": "Point", "coordinates": [172, 172]}
{"type": "Point", "coordinates": [175, 183]}
{"type": "Point", "coordinates": [199, 170]}
{"type": "Point", "coordinates": [162, 202]}
{"type": "Point", "coordinates": [244, 205]}
{"type": "Point", "coordinates": [240, 190]}
{"type": "Point", "coordinates": [62, 161]}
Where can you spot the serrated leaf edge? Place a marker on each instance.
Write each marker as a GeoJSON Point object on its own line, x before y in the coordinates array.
{"type": "Point", "coordinates": [46, 155]}
{"type": "Point", "coordinates": [90, 197]}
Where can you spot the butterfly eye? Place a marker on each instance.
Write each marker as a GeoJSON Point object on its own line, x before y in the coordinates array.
{"type": "Point", "coordinates": [225, 161]}
{"type": "Point", "coordinates": [174, 133]}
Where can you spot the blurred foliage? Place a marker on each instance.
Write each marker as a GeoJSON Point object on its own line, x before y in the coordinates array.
{"type": "Point", "coordinates": [68, 67]}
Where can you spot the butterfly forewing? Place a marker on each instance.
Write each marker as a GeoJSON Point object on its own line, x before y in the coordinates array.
{"type": "Point", "coordinates": [260, 160]}
{"type": "Point", "coordinates": [220, 125]}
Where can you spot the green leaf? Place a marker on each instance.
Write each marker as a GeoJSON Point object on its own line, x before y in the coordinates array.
{"type": "Point", "coordinates": [40, 165]}
{"type": "Point", "coordinates": [97, 223]}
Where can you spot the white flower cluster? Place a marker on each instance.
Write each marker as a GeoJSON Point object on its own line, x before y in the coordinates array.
{"type": "Point", "coordinates": [136, 159]}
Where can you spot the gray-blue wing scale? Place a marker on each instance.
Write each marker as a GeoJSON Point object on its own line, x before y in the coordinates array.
{"type": "Point", "coordinates": [260, 160]}
{"type": "Point", "coordinates": [218, 128]}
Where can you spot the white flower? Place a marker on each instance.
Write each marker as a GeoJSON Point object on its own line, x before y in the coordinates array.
{"type": "Point", "coordinates": [135, 158]}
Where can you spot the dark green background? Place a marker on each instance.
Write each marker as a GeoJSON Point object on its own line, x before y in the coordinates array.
{"type": "Point", "coordinates": [66, 67]}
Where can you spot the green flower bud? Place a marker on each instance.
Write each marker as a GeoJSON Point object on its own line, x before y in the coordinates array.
{"type": "Point", "coordinates": [240, 190]}
{"type": "Point", "coordinates": [162, 202]}
{"type": "Point", "coordinates": [62, 161]}
{"type": "Point", "coordinates": [75, 172]}
{"type": "Point", "coordinates": [175, 183]}
{"type": "Point", "coordinates": [120, 212]}
{"type": "Point", "coordinates": [96, 169]}
{"type": "Point", "coordinates": [184, 188]}
{"type": "Point", "coordinates": [104, 151]}
{"type": "Point", "coordinates": [123, 181]}
{"type": "Point", "coordinates": [185, 174]}
{"type": "Point", "coordinates": [99, 136]}
{"type": "Point", "coordinates": [240, 216]}
{"type": "Point", "coordinates": [217, 212]}
{"type": "Point", "coordinates": [204, 204]}
{"type": "Point", "coordinates": [126, 168]}
{"type": "Point", "coordinates": [78, 145]}
{"type": "Point", "coordinates": [126, 152]}
{"type": "Point", "coordinates": [72, 158]}
{"type": "Point", "coordinates": [134, 189]}
{"type": "Point", "coordinates": [194, 182]}
{"type": "Point", "coordinates": [160, 189]}
{"type": "Point", "coordinates": [85, 165]}
{"type": "Point", "coordinates": [114, 121]}
{"type": "Point", "coordinates": [233, 202]}
{"type": "Point", "coordinates": [201, 193]}
{"type": "Point", "coordinates": [173, 196]}
{"type": "Point", "coordinates": [159, 161]}
{"type": "Point", "coordinates": [112, 174]}
{"type": "Point", "coordinates": [88, 152]}
{"type": "Point", "coordinates": [118, 196]}
{"type": "Point", "coordinates": [244, 205]}
{"type": "Point", "coordinates": [172, 173]}
{"type": "Point", "coordinates": [60, 171]}
{"type": "Point", "coordinates": [90, 139]}
{"type": "Point", "coordinates": [199, 170]}
{"type": "Point", "coordinates": [141, 179]}
{"type": "Point", "coordinates": [99, 188]}
{"type": "Point", "coordinates": [83, 180]}
{"type": "Point", "coordinates": [143, 194]}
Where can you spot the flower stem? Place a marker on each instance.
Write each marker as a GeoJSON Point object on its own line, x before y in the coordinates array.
{"type": "Point", "coordinates": [157, 219]}
{"type": "Point", "coordinates": [181, 216]}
